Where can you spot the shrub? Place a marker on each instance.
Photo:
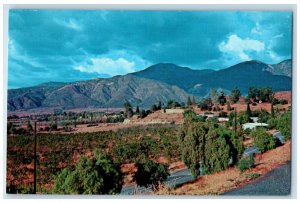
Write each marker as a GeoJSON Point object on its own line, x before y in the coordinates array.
{"type": "Point", "coordinates": [211, 144]}
{"type": "Point", "coordinates": [53, 126]}
{"type": "Point", "coordinates": [96, 175]}
{"type": "Point", "coordinates": [283, 101]}
{"type": "Point", "coordinates": [252, 176]}
{"type": "Point", "coordinates": [246, 163]}
{"type": "Point", "coordinates": [284, 125]}
{"type": "Point", "coordinates": [262, 140]}
{"type": "Point", "coordinates": [223, 114]}
{"type": "Point", "coordinates": [150, 173]}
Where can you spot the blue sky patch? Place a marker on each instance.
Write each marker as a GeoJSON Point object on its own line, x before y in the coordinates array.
{"type": "Point", "coordinates": [73, 45]}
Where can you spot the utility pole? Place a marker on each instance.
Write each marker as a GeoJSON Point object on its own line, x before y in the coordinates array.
{"type": "Point", "coordinates": [35, 160]}
{"type": "Point", "coordinates": [235, 121]}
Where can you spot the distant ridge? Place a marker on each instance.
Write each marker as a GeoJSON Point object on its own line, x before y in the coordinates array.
{"type": "Point", "coordinates": [160, 82]}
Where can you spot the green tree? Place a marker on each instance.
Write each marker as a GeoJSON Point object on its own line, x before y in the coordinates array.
{"type": "Point", "coordinates": [272, 111]}
{"type": "Point", "coordinates": [192, 139]}
{"type": "Point", "coordinates": [143, 114]}
{"type": "Point", "coordinates": [11, 129]}
{"type": "Point", "coordinates": [189, 102]}
{"type": "Point", "coordinates": [128, 109]}
{"type": "Point", "coordinates": [228, 106]}
{"type": "Point", "coordinates": [265, 94]}
{"type": "Point", "coordinates": [248, 111]}
{"type": "Point", "coordinates": [243, 117]}
{"type": "Point", "coordinates": [150, 173]}
{"type": "Point", "coordinates": [159, 105]}
{"type": "Point", "coordinates": [210, 144]}
{"type": "Point", "coordinates": [246, 163]}
{"type": "Point", "coordinates": [283, 124]}
{"type": "Point", "coordinates": [263, 116]}
{"type": "Point", "coordinates": [29, 127]}
{"type": "Point", "coordinates": [222, 98]}
{"type": "Point", "coordinates": [194, 101]}
{"type": "Point", "coordinates": [96, 175]}
{"type": "Point", "coordinates": [235, 95]}
{"type": "Point", "coordinates": [214, 96]}
{"type": "Point", "coordinates": [154, 108]}
{"type": "Point", "coordinates": [137, 111]}
{"type": "Point", "coordinates": [253, 93]}
{"type": "Point", "coordinates": [205, 104]}
{"type": "Point", "coordinates": [262, 140]}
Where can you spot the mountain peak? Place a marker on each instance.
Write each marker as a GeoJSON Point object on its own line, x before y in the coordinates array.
{"type": "Point", "coordinates": [165, 66]}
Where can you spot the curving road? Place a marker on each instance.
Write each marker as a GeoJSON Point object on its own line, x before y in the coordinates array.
{"type": "Point", "coordinates": [175, 178]}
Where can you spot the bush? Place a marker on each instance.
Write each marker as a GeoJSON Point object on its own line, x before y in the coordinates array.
{"type": "Point", "coordinates": [96, 175]}
{"type": "Point", "coordinates": [53, 126]}
{"type": "Point", "coordinates": [223, 114]}
{"type": "Point", "coordinates": [205, 104]}
{"type": "Point", "coordinates": [284, 125]}
{"type": "Point", "coordinates": [150, 173]}
{"type": "Point", "coordinates": [262, 140]}
{"type": "Point", "coordinates": [252, 176]}
{"type": "Point", "coordinates": [283, 101]}
{"type": "Point", "coordinates": [212, 145]}
{"type": "Point", "coordinates": [246, 163]}
{"type": "Point", "coordinates": [243, 117]}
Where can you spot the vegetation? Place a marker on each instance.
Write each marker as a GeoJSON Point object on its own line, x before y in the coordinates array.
{"type": "Point", "coordinates": [128, 109]}
{"type": "Point", "coordinates": [58, 151]}
{"type": "Point", "coordinates": [243, 117]}
{"type": "Point", "coordinates": [246, 163]}
{"type": "Point", "coordinates": [174, 104]}
{"type": "Point", "coordinates": [262, 140]}
{"type": "Point", "coordinates": [95, 175]}
{"type": "Point", "coordinates": [150, 173]}
{"type": "Point", "coordinates": [204, 145]}
{"type": "Point", "coordinates": [263, 94]}
{"type": "Point", "coordinates": [252, 176]}
{"type": "Point", "coordinates": [222, 98]}
{"type": "Point", "coordinates": [235, 95]}
{"type": "Point", "coordinates": [228, 106]}
{"type": "Point", "coordinates": [189, 101]}
{"type": "Point", "coordinates": [282, 123]}
{"type": "Point", "coordinates": [205, 104]}
{"type": "Point", "coordinates": [208, 144]}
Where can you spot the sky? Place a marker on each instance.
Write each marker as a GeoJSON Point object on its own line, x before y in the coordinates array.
{"type": "Point", "coordinates": [74, 45]}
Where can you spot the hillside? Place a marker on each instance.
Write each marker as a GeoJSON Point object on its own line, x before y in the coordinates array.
{"type": "Point", "coordinates": [112, 92]}
{"type": "Point", "coordinates": [242, 75]}
{"type": "Point", "coordinates": [172, 74]}
{"type": "Point", "coordinates": [160, 82]}
{"type": "Point", "coordinates": [282, 68]}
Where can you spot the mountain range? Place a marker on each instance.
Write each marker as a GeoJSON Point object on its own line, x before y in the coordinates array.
{"type": "Point", "coordinates": [160, 82]}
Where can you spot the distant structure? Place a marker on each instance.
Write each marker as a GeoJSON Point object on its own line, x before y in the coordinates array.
{"type": "Point", "coordinates": [254, 119]}
{"type": "Point", "coordinates": [254, 125]}
{"type": "Point", "coordinates": [222, 119]}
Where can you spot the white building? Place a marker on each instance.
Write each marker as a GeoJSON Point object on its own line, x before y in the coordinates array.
{"type": "Point", "coordinates": [254, 125]}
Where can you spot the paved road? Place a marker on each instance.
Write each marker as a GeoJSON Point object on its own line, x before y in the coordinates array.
{"type": "Point", "coordinates": [279, 136]}
{"type": "Point", "coordinates": [250, 150]}
{"type": "Point", "coordinates": [277, 182]}
{"type": "Point", "coordinates": [175, 178]}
